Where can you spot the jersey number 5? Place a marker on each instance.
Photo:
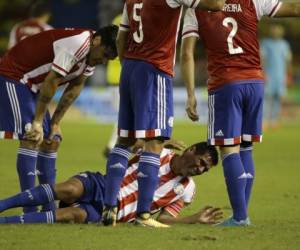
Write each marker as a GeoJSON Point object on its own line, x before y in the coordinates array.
{"type": "Point", "coordinates": [232, 50]}
{"type": "Point", "coordinates": [138, 36]}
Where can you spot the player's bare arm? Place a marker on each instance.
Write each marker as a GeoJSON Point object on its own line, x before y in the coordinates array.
{"type": "Point", "coordinates": [188, 73]}
{"type": "Point", "coordinates": [121, 43]}
{"type": "Point", "coordinates": [207, 215]}
{"type": "Point", "coordinates": [46, 94]}
{"type": "Point", "coordinates": [212, 5]}
{"type": "Point", "coordinates": [289, 9]}
{"type": "Point", "coordinates": [70, 94]}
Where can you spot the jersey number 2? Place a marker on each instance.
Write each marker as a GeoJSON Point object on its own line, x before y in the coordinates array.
{"type": "Point", "coordinates": [231, 48]}
{"type": "Point", "coordinates": [138, 36]}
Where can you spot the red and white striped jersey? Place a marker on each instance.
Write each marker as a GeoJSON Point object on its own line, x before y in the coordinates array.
{"type": "Point", "coordinates": [61, 50]}
{"type": "Point", "coordinates": [230, 39]}
{"type": "Point", "coordinates": [153, 27]}
{"type": "Point", "coordinates": [171, 194]}
{"type": "Point", "coordinates": [24, 29]}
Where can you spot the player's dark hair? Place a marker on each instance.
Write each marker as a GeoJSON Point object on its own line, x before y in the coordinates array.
{"type": "Point", "coordinates": [203, 147]}
{"type": "Point", "coordinates": [108, 38]}
{"type": "Point", "coordinates": [39, 8]}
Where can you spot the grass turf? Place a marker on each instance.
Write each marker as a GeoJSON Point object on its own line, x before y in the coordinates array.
{"type": "Point", "coordinates": [274, 208]}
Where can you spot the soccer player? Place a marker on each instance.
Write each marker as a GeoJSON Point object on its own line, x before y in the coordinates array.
{"type": "Point", "coordinates": [39, 17]}
{"type": "Point", "coordinates": [235, 87]}
{"type": "Point", "coordinates": [82, 196]}
{"type": "Point", "coordinates": [146, 46]}
{"type": "Point", "coordinates": [30, 74]}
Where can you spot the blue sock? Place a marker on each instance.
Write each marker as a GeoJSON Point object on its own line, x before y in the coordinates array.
{"type": "Point", "coordinates": [247, 160]}
{"type": "Point", "coordinates": [236, 179]}
{"type": "Point", "coordinates": [26, 161]}
{"type": "Point", "coordinates": [46, 173]}
{"type": "Point", "coordinates": [43, 217]}
{"type": "Point", "coordinates": [116, 166]}
{"type": "Point", "coordinates": [31, 197]}
{"type": "Point", "coordinates": [148, 168]}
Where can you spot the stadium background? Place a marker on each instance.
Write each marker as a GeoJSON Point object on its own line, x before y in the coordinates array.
{"type": "Point", "coordinates": [276, 199]}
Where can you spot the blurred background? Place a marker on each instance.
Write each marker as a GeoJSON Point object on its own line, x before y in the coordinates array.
{"type": "Point", "coordinates": [98, 98]}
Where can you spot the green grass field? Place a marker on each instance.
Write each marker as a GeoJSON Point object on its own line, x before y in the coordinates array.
{"type": "Point", "coordinates": [275, 206]}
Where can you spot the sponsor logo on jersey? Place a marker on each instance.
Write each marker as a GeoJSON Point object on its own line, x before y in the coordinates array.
{"type": "Point", "coordinates": [179, 189]}
{"type": "Point", "coordinates": [232, 7]}
{"type": "Point", "coordinates": [220, 133]}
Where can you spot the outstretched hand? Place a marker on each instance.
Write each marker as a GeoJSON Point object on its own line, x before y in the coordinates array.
{"type": "Point", "coordinates": [191, 108]}
{"type": "Point", "coordinates": [209, 215]}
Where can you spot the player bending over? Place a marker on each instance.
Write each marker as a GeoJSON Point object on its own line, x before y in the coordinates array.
{"type": "Point", "coordinates": [82, 196]}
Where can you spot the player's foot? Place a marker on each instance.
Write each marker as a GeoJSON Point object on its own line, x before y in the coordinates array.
{"type": "Point", "coordinates": [109, 216]}
{"type": "Point", "coordinates": [230, 222]}
{"type": "Point", "coordinates": [146, 221]}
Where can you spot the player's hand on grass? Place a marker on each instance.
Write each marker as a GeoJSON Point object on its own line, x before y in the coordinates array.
{"type": "Point", "coordinates": [191, 108]}
{"type": "Point", "coordinates": [209, 215]}
{"type": "Point", "coordinates": [175, 144]}
{"type": "Point", "coordinates": [34, 132]}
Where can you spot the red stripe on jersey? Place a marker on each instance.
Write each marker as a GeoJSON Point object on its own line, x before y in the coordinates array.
{"type": "Point", "coordinates": [256, 138]}
{"type": "Point", "coordinates": [128, 217]}
{"type": "Point", "coordinates": [275, 7]}
{"type": "Point", "coordinates": [175, 207]}
{"type": "Point", "coordinates": [129, 179]}
{"type": "Point", "coordinates": [168, 197]}
{"type": "Point", "coordinates": [60, 68]}
{"type": "Point", "coordinates": [8, 135]}
{"type": "Point", "coordinates": [82, 47]}
{"type": "Point", "coordinates": [128, 199]}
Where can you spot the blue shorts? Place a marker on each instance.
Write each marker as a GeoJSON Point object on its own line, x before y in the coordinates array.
{"type": "Point", "coordinates": [146, 101]}
{"type": "Point", "coordinates": [92, 200]}
{"type": "Point", "coordinates": [17, 109]}
{"type": "Point", "coordinates": [235, 113]}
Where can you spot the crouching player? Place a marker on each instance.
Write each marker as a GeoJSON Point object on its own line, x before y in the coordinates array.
{"type": "Point", "coordinates": [81, 197]}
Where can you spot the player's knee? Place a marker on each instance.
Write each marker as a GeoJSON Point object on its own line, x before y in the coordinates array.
{"type": "Point", "coordinates": [230, 149]}
{"type": "Point", "coordinates": [246, 144]}
{"type": "Point", "coordinates": [127, 142]}
{"type": "Point", "coordinates": [154, 145]}
{"type": "Point", "coordinates": [29, 144]}
{"type": "Point", "coordinates": [49, 146]}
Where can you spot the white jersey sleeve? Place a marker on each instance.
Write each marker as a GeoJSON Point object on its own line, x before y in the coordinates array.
{"type": "Point", "coordinates": [188, 3]}
{"type": "Point", "coordinates": [190, 24]}
{"type": "Point", "coordinates": [124, 25]}
{"type": "Point", "coordinates": [189, 191]}
{"type": "Point", "coordinates": [266, 7]}
{"type": "Point", "coordinates": [68, 51]}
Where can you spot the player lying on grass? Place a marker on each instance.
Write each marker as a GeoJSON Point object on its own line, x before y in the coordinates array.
{"type": "Point", "coordinates": [81, 197]}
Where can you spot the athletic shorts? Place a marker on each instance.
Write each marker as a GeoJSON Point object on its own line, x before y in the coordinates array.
{"type": "Point", "coordinates": [235, 113]}
{"type": "Point", "coordinates": [17, 109]}
{"type": "Point", "coordinates": [92, 200]}
{"type": "Point", "coordinates": [146, 101]}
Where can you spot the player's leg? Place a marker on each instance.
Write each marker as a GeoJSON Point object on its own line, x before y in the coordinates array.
{"type": "Point", "coordinates": [118, 158]}
{"type": "Point", "coordinates": [224, 130]}
{"type": "Point", "coordinates": [45, 166]}
{"type": "Point", "coordinates": [153, 114]}
{"type": "Point", "coordinates": [17, 104]}
{"type": "Point", "coordinates": [251, 131]}
{"type": "Point", "coordinates": [68, 214]}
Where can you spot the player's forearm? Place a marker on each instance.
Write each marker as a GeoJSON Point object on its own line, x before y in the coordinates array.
{"type": "Point", "coordinates": [289, 9]}
{"type": "Point", "coordinates": [187, 64]}
{"type": "Point", "coordinates": [176, 220]}
{"type": "Point", "coordinates": [121, 43]}
{"type": "Point", "coordinates": [69, 96]}
{"type": "Point", "coordinates": [46, 94]}
{"type": "Point", "coordinates": [212, 5]}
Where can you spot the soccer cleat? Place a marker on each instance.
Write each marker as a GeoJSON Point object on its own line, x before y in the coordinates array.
{"type": "Point", "coordinates": [109, 216]}
{"type": "Point", "coordinates": [145, 220]}
{"type": "Point", "coordinates": [230, 222]}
